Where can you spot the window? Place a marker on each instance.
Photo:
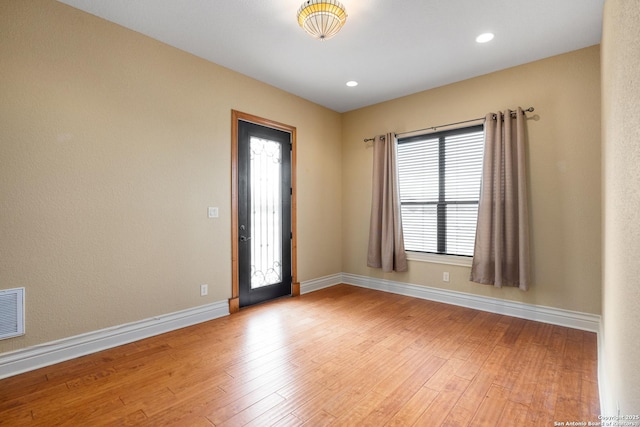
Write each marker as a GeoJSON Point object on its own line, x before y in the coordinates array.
{"type": "Point", "coordinates": [439, 176]}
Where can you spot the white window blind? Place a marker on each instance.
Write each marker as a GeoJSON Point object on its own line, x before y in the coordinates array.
{"type": "Point", "coordinates": [439, 176]}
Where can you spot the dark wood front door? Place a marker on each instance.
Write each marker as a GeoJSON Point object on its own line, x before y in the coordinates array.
{"type": "Point", "coordinates": [264, 213]}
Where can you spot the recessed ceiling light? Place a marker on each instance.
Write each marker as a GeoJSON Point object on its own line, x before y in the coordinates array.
{"type": "Point", "coordinates": [352, 83]}
{"type": "Point", "coordinates": [483, 38]}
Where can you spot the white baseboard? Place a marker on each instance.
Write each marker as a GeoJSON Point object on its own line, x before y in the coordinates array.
{"type": "Point", "coordinates": [35, 357]}
{"type": "Point", "coordinates": [555, 316]}
{"type": "Point", "coordinates": [28, 359]}
{"type": "Point", "coordinates": [321, 283]}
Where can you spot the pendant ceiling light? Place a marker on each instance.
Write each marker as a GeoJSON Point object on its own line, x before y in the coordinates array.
{"type": "Point", "coordinates": [322, 18]}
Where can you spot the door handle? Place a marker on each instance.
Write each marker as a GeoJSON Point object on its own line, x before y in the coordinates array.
{"type": "Point", "coordinates": [244, 238]}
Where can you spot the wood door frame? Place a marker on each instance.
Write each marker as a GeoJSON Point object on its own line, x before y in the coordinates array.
{"type": "Point", "coordinates": [234, 301]}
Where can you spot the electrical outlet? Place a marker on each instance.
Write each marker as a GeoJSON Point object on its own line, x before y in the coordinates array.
{"type": "Point", "coordinates": [204, 290]}
{"type": "Point", "coordinates": [445, 276]}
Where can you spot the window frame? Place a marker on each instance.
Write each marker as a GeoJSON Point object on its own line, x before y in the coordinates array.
{"type": "Point", "coordinates": [441, 203]}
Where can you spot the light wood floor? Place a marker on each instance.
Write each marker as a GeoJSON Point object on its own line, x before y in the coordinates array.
{"type": "Point", "coordinates": [342, 356]}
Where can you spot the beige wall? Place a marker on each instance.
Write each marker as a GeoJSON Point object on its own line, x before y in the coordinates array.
{"type": "Point", "coordinates": [564, 164]}
{"type": "Point", "coordinates": [620, 378]}
{"type": "Point", "coordinates": [112, 145]}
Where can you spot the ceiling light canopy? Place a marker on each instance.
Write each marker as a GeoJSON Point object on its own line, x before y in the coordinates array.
{"type": "Point", "coordinates": [322, 19]}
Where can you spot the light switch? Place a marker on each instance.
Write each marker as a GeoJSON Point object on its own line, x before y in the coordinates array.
{"type": "Point", "coordinates": [213, 212]}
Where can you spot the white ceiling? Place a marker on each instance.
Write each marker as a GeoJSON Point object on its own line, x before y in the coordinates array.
{"type": "Point", "coordinates": [392, 48]}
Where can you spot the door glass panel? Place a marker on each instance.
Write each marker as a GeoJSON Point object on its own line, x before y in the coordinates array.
{"type": "Point", "coordinates": [266, 209]}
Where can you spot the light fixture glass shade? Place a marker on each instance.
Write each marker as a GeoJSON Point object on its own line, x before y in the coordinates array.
{"type": "Point", "coordinates": [322, 18]}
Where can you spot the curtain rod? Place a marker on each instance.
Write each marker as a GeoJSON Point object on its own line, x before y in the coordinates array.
{"type": "Point", "coordinates": [530, 109]}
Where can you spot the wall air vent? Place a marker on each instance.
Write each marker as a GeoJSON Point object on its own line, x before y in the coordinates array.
{"type": "Point", "coordinates": [11, 313]}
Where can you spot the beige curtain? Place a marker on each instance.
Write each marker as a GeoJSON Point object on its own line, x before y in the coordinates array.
{"type": "Point", "coordinates": [501, 255]}
{"type": "Point", "coordinates": [386, 243]}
